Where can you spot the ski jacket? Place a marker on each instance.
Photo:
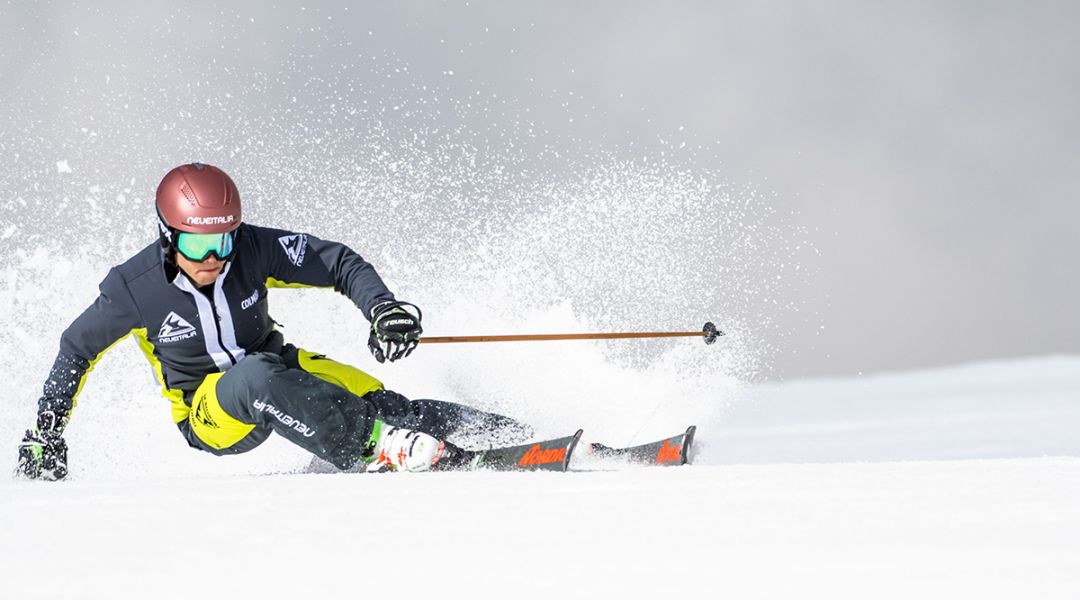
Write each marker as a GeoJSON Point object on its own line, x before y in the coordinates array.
{"type": "Point", "coordinates": [187, 333]}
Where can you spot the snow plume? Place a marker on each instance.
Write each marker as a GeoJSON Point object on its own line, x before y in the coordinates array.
{"type": "Point", "coordinates": [500, 228]}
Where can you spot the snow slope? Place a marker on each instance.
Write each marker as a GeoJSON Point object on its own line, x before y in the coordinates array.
{"type": "Point", "coordinates": [998, 528]}
{"type": "Point", "coordinates": [1022, 408]}
{"type": "Point", "coordinates": [872, 503]}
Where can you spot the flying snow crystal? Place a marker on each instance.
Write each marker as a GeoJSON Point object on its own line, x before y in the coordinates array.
{"type": "Point", "coordinates": [62, 167]}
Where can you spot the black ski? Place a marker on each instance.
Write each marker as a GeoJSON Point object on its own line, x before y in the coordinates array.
{"type": "Point", "coordinates": [549, 455]}
{"type": "Point", "coordinates": [546, 455]}
{"type": "Point", "coordinates": [670, 452]}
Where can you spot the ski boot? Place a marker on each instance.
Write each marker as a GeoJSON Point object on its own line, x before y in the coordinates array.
{"type": "Point", "coordinates": [396, 449]}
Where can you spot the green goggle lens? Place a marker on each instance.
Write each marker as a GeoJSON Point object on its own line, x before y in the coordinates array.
{"type": "Point", "coordinates": [199, 246]}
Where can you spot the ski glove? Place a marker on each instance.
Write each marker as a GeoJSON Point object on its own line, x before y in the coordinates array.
{"type": "Point", "coordinates": [395, 331]}
{"type": "Point", "coordinates": [43, 452]}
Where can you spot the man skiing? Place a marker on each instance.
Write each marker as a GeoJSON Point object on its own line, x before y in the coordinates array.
{"type": "Point", "coordinates": [196, 303]}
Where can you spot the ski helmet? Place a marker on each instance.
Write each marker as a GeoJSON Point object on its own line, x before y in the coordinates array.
{"type": "Point", "coordinates": [198, 198]}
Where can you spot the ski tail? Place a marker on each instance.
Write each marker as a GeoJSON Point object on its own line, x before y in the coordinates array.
{"type": "Point", "coordinates": [669, 452]}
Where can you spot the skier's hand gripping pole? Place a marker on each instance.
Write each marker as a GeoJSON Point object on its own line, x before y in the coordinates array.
{"type": "Point", "coordinates": [395, 330]}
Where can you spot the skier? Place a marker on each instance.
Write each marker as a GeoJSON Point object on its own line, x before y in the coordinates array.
{"type": "Point", "coordinates": [196, 303]}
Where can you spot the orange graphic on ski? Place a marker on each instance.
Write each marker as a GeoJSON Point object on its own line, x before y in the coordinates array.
{"type": "Point", "coordinates": [539, 456]}
{"type": "Point", "coordinates": [669, 453]}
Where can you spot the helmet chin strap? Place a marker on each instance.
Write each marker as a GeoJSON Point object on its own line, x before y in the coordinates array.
{"type": "Point", "coordinates": [164, 229]}
{"type": "Point", "coordinates": [165, 236]}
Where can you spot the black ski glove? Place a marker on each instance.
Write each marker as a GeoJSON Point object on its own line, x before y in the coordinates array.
{"type": "Point", "coordinates": [395, 331]}
{"type": "Point", "coordinates": [43, 452]}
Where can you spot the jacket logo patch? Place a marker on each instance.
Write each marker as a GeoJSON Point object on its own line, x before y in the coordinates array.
{"type": "Point", "coordinates": [174, 329]}
{"type": "Point", "coordinates": [295, 247]}
{"type": "Point", "coordinates": [249, 301]}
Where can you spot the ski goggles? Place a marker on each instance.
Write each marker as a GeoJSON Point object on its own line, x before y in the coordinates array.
{"type": "Point", "coordinates": [199, 246]}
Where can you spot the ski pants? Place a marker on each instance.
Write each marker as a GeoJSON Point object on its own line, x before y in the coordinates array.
{"type": "Point", "coordinates": [326, 407]}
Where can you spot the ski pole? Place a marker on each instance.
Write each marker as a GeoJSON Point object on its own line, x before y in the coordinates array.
{"type": "Point", "coordinates": [709, 332]}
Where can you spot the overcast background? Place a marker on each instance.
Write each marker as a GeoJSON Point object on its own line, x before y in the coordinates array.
{"type": "Point", "coordinates": [918, 161]}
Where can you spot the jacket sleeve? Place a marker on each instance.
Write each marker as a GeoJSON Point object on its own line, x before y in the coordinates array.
{"type": "Point", "coordinates": [303, 260]}
{"type": "Point", "coordinates": [104, 323]}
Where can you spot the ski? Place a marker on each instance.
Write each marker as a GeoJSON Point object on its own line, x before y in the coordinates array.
{"type": "Point", "coordinates": [548, 455]}
{"type": "Point", "coordinates": [670, 452]}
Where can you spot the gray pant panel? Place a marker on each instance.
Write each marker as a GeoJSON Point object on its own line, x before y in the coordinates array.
{"type": "Point", "coordinates": [273, 393]}
{"type": "Point", "coordinates": [320, 417]}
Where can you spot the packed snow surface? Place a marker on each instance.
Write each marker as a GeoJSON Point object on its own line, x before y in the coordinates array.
{"type": "Point", "coordinates": [928, 485]}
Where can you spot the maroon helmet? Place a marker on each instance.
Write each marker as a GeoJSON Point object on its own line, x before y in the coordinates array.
{"type": "Point", "coordinates": [198, 198]}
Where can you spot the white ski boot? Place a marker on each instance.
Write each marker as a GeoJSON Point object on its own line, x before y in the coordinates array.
{"type": "Point", "coordinates": [398, 449]}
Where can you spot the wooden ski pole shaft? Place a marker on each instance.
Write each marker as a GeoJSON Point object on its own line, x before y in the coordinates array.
{"type": "Point", "coordinates": [709, 332]}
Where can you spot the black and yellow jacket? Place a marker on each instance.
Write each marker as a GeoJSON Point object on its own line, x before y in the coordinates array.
{"type": "Point", "coordinates": [188, 333]}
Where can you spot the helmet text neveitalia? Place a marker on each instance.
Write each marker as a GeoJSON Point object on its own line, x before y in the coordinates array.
{"type": "Point", "coordinates": [210, 220]}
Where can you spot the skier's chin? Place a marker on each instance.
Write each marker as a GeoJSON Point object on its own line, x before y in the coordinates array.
{"type": "Point", "coordinates": [203, 275]}
{"type": "Point", "coordinates": [208, 275]}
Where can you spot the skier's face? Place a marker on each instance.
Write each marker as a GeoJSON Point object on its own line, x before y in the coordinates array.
{"type": "Point", "coordinates": [202, 273]}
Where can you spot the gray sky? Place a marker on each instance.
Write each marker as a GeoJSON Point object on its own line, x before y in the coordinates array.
{"type": "Point", "coordinates": [928, 149]}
